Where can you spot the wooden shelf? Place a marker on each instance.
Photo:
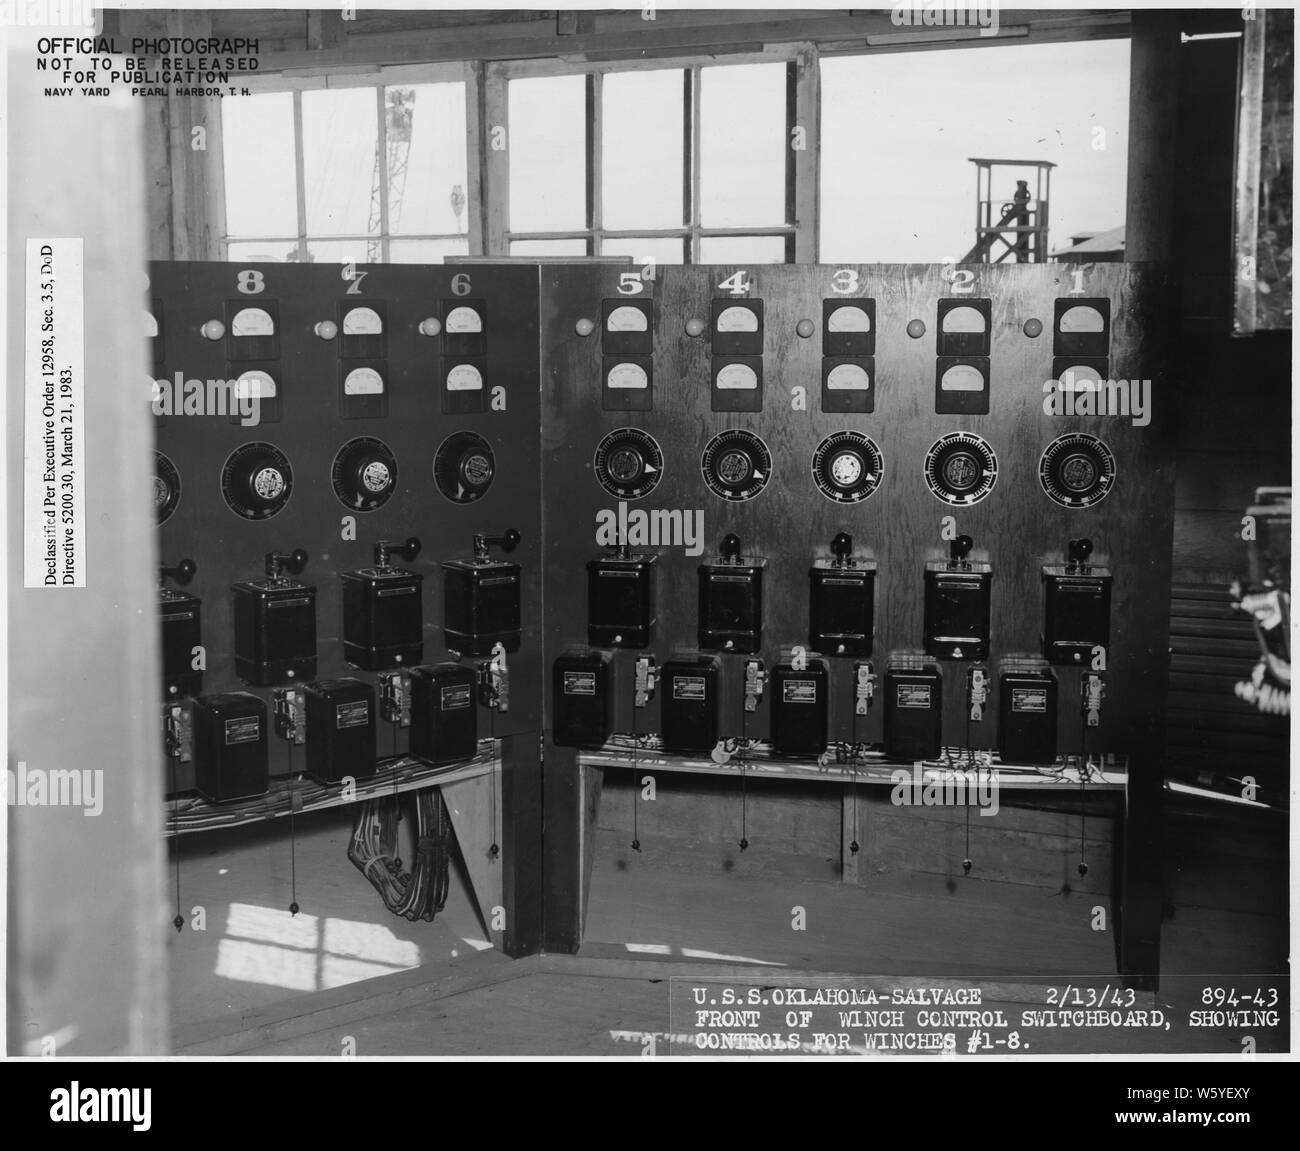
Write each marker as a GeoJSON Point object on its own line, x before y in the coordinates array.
{"type": "Point", "coordinates": [873, 770]}
{"type": "Point", "coordinates": [394, 775]}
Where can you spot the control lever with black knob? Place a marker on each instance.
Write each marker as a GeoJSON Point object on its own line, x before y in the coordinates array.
{"type": "Point", "coordinates": [384, 551]}
{"type": "Point", "coordinates": [279, 562]}
{"type": "Point", "coordinates": [182, 573]}
{"type": "Point", "coordinates": [507, 542]}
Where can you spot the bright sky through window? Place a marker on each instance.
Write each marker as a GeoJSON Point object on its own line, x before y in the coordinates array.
{"type": "Point", "coordinates": [898, 129]}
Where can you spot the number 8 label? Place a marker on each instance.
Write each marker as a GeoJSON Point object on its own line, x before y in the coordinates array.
{"type": "Point", "coordinates": [845, 281]}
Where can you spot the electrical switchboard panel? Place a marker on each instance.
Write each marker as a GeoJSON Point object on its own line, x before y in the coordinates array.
{"type": "Point", "coordinates": [328, 407]}
{"type": "Point", "coordinates": [961, 425]}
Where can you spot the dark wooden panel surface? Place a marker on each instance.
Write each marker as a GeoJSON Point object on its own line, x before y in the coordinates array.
{"type": "Point", "coordinates": [310, 432]}
{"type": "Point", "coordinates": [1016, 527]}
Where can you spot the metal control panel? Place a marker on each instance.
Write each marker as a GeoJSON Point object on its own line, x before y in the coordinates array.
{"type": "Point", "coordinates": [330, 408]}
{"type": "Point", "coordinates": [906, 407]}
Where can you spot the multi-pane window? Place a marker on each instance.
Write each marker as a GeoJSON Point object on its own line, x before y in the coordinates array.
{"type": "Point", "coordinates": [763, 158]}
{"type": "Point", "coordinates": [688, 164]}
{"type": "Point", "coordinates": [371, 174]}
{"type": "Point", "coordinates": [898, 131]}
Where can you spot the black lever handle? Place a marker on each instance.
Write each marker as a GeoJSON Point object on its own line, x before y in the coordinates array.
{"type": "Point", "coordinates": [182, 573]}
{"type": "Point", "coordinates": [385, 550]}
{"type": "Point", "coordinates": [730, 549]}
{"type": "Point", "coordinates": [960, 548]}
{"type": "Point", "coordinates": [842, 546]}
{"type": "Point", "coordinates": [293, 562]}
{"type": "Point", "coordinates": [507, 542]}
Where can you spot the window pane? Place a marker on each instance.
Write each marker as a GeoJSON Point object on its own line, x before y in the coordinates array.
{"type": "Point", "coordinates": [641, 144]}
{"type": "Point", "coordinates": [262, 251]}
{"type": "Point", "coordinates": [427, 183]}
{"type": "Point", "coordinates": [742, 250]}
{"type": "Point", "coordinates": [742, 145]}
{"type": "Point", "coordinates": [257, 149]}
{"type": "Point", "coordinates": [660, 249]}
{"type": "Point", "coordinates": [548, 153]}
{"type": "Point", "coordinates": [425, 251]}
{"type": "Point", "coordinates": [885, 199]}
{"type": "Point", "coordinates": [548, 247]}
{"type": "Point", "coordinates": [339, 134]}
{"type": "Point", "coordinates": [342, 251]}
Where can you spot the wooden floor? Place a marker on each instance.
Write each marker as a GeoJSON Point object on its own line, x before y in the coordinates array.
{"type": "Point", "coordinates": [260, 982]}
{"type": "Point", "coordinates": [253, 955]}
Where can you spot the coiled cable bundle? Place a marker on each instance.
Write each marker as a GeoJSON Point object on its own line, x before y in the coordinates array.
{"type": "Point", "coordinates": [422, 892]}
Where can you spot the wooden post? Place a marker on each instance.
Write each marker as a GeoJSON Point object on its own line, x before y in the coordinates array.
{"type": "Point", "coordinates": [87, 906]}
{"type": "Point", "coordinates": [1153, 117]}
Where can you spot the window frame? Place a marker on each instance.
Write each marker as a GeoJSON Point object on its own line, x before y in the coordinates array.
{"type": "Point", "coordinates": [801, 173]}
{"type": "Point", "coordinates": [377, 79]}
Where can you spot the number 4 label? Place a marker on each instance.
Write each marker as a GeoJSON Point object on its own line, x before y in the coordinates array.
{"type": "Point", "coordinates": [737, 284]}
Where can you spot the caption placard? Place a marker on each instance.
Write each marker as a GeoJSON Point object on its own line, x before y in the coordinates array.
{"type": "Point", "coordinates": [54, 455]}
{"type": "Point", "coordinates": [906, 1015]}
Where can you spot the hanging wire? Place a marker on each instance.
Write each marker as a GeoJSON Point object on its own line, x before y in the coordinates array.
{"type": "Point", "coordinates": [179, 921]}
{"type": "Point", "coordinates": [636, 838]}
{"type": "Point", "coordinates": [744, 798]}
{"type": "Point", "coordinates": [494, 850]}
{"type": "Point", "coordinates": [1083, 777]}
{"type": "Point", "coordinates": [854, 846]}
{"type": "Point", "coordinates": [967, 863]}
{"type": "Point", "coordinates": [293, 838]}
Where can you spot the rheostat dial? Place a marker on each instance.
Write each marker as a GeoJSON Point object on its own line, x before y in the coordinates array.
{"type": "Point", "coordinates": [256, 481]}
{"type": "Point", "coordinates": [464, 467]}
{"type": "Point", "coordinates": [960, 468]}
{"type": "Point", "coordinates": [629, 463]}
{"type": "Point", "coordinates": [364, 474]}
{"type": "Point", "coordinates": [166, 487]}
{"type": "Point", "coordinates": [1077, 470]}
{"type": "Point", "coordinates": [736, 465]}
{"type": "Point", "coordinates": [847, 467]}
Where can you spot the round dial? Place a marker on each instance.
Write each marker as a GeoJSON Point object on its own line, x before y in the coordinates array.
{"type": "Point", "coordinates": [1082, 318]}
{"type": "Point", "coordinates": [363, 382]}
{"type": "Point", "coordinates": [847, 467]}
{"type": "Point", "coordinates": [166, 487]}
{"type": "Point", "coordinates": [960, 469]}
{"type": "Point", "coordinates": [737, 377]}
{"type": "Point", "coordinates": [626, 319]}
{"type": "Point", "coordinates": [464, 467]}
{"type": "Point", "coordinates": [737, 319]}
{"type": "Point", "coordinates": [252, 322]}
{"type": "Point", "coordinates": [848, 378]}
{"type": "Point", "coordinates": [256, 481]}
{"type": "Point", "coordinates": [848, 318]}
{"type": "Point", "coordinates": [736, 465]}
{"type": "Point", "coordinates": [463, 320]}
{"type": "Point", "coordinates": [364, 474]}
{"type": "Point", "coordinates": [629, 463]}
{"type": "Point", "coordinates": [362, 322]}
{"type": "Point", "coordinates": [464, 378]}
{"type": "Point", "coordinates": [627, 376]}
{"type": "Point", "coordinates": [1077, 470]}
